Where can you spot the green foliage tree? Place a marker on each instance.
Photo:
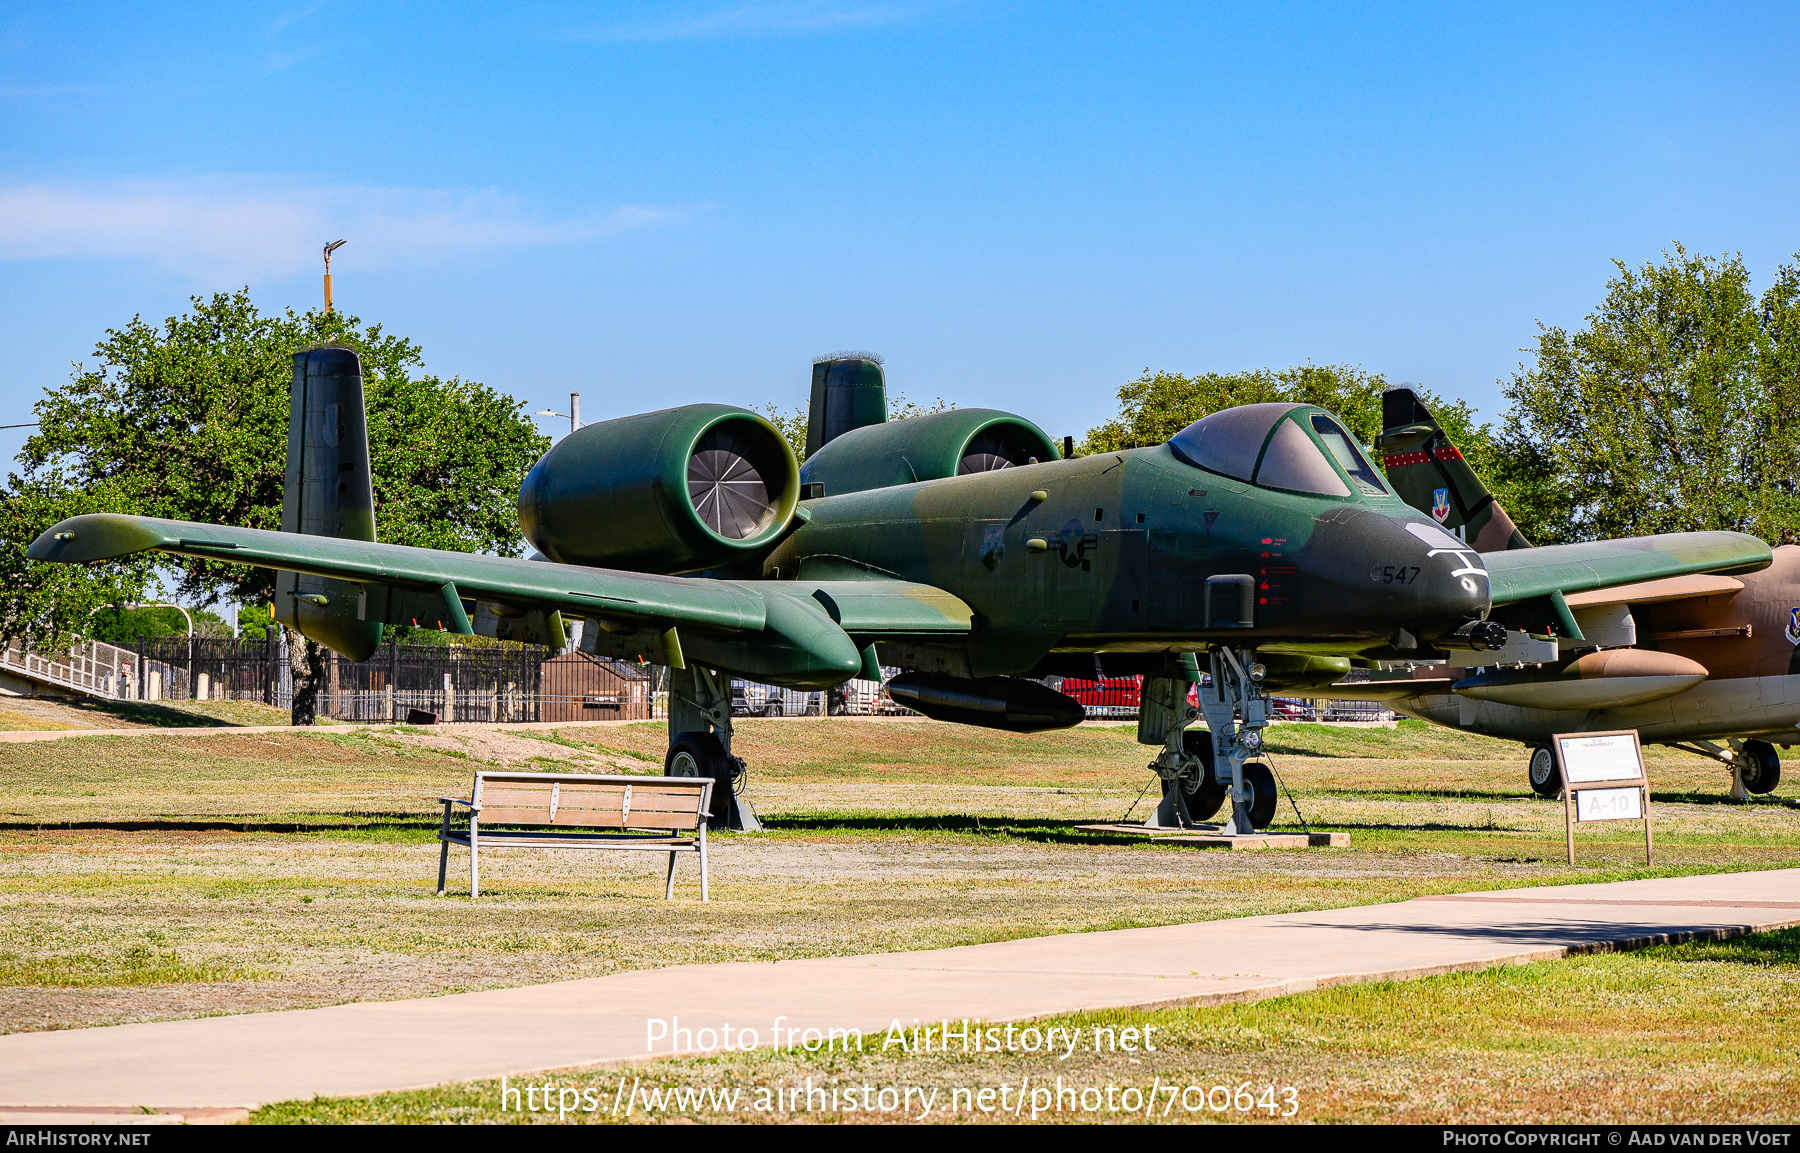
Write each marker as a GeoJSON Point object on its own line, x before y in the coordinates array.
{"type": "Point", "coordinates": [123, 626]}
{"type": "Point", "coordinates": [188, 420]}
{"type": "Point", "coordinates": [1673, 409]}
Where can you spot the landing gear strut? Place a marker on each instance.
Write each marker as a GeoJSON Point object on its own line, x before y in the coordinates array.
{"type": "Point", "coordinates": [1755, 765]}
{"type": "Point", "coordinates": [1201, 772]}
{"type": "Point", "coordinates": [700, 744]}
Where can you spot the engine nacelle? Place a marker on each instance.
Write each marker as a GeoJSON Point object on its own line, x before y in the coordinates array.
{"type": "Point", "coordinates": [674, 491]}
{"type": "Point", "coordinates": [931, 447]}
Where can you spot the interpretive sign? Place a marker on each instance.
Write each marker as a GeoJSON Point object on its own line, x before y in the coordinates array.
{"type": "Point", "coordinates": [1603, 780]}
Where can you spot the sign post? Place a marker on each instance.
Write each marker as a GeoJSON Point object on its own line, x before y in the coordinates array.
{"type": "Point", "coordinates": [1603, 780]}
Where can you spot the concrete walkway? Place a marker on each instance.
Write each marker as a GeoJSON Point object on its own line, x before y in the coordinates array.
{"type": "Point", "coordinates": [248, 1060]}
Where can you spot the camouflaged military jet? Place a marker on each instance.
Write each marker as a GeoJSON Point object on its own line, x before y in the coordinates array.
{"type": "Point", "coordinates": [1259, 547]}
{"type": "Point", "coordinates": [1687, 661]}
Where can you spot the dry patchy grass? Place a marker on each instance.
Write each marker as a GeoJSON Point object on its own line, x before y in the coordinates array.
{"type": "Point", "coordinates": [152, 877]}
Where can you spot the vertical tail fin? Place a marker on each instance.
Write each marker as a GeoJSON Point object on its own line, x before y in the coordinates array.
{"type": "Point", "coordinates": [1430, 474]}
{"type": "Point", "coordinates": [848, 392]}
{"type": "Point", "coordinates": [328, 492]}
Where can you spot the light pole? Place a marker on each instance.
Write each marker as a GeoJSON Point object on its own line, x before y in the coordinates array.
{"type": "Point", "coordinates": [329, 249]}
{"type": "Point", "coordinates": [573, 415]}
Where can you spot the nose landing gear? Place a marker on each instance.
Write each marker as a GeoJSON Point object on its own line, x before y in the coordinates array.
{"type": "Point", "coordinates": [1201, 771]}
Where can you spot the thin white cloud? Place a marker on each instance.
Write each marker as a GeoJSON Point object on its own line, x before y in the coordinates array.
{"type": "Point", "coordinates": [293, 15]}
{"type": "Point", "coordinates": [249, 228]}
{"type": "Point", "coordinates": [782, 18]}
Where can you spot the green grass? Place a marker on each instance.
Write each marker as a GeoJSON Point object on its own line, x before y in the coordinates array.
{"type": "Point", "coordinates": [1696, 1033]}
{"type": "Point", "coordinates": [137, 965]}
{"type": "Point", "coordinates": [305, 863]}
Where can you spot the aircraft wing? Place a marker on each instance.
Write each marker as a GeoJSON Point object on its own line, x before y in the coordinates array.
{"type": "Point", "coordinates": [799, 632]}
{"type": "Point", "coordinates": [1654, 592]}
{"type": "Point", "coordinates": [1526, 574]}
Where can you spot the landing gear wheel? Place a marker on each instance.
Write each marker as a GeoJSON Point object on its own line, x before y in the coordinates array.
{"type": "Point", "coordinates": [702, 755]}
{"type": "Point", "coordinates": [1759, 767]}
{"type": "Point", "coordinates": [1205, 796]}
{"type": "Point", "coordinates": [1262, 794]}
{"type": "Point", "coordinates": [1545, 780]}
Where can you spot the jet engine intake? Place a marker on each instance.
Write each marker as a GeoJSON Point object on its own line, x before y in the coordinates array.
{"type": "Point", "coordinates": [674, 491]}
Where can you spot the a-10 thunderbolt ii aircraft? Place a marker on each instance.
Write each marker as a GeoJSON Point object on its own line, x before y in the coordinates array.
{"type": "Point", "coordinates": [1259, 545]}
{"type": "Point", "coordinates": [1686, 661]}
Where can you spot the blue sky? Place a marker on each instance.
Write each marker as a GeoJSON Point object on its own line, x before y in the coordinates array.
{"type": "Point", "coordinates": [1017, 205]}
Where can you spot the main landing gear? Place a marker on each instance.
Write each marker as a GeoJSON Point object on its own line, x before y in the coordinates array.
{"type": "Point", "coordinates": [700, 744]}
{"type": "Point", "coordinates": [1755, 765]}
{"type": "Point", "coordinates": [1200, 771]}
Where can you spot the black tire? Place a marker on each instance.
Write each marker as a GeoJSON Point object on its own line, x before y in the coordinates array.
{"type": "Point", "coordinates": [1760, 767]}
{"type": "Point", "coordinates": [1262, 794]}
{"type": "Point", "coordinates": [772, 709]}
{"type": "Point", "coordinates": [1541, 772]}
{"type": "Point", "coordinates": [701, 755]}
{"type": "Point", "coordinates": [1207, 796]}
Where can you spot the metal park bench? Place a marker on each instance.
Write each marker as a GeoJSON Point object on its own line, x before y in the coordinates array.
{"type": "Point", "coordinates": [653, 814]}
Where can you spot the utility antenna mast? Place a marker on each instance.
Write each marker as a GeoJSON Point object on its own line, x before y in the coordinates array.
{"type": "Point", "coordinates": [329, 249]}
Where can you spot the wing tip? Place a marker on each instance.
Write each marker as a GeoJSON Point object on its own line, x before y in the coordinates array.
{"type": "Point", "coordinates": [96, 536]}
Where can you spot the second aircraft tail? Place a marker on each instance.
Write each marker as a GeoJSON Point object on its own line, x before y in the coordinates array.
{"type": "Point", "coordinates": [1431, 475]}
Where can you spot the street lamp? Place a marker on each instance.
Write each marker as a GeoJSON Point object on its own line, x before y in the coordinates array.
{"type": "Point", "coordinates": [329, 249]}
{"type": "Point", "coordinates": [573, 416]}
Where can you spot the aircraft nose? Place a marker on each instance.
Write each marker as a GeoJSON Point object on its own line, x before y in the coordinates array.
{"type": "Point", "coordinates": [1453, 583]}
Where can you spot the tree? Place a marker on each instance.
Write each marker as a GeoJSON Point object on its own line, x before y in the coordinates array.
{"type": "Point", "coordinates": [123, 626]}
{"type": "Point", "coordinates": [189, 421]}
{"type": "Point", "coordinates": [1157, 405]}
{"type": "Point", "coordinates": [1673, 409]}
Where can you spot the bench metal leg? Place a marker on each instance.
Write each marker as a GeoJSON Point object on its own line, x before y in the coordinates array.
{"type": "Point", "coordinates": [443, 865]}
{"type": "Point", "coordinates": [669, 889]}
{"type": "Point", "coordinates": [704, 896]}
{"type": "Point", "coordinates": [474, 868]}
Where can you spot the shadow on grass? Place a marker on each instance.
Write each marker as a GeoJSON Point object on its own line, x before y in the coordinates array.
{"type": "Point", "coordinates": [1780, 948]}
{"type": "Point", "coordinates": [1721, 799]}
{"type": "Point", "coordinates": [149, 713]}
{"type": "Point", "coordinates": [1042, 831]}
{"type": "Point", "coordinates": [326, 822]}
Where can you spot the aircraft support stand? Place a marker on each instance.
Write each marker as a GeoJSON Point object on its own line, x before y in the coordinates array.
{"type": "Point", "coordinates": [700, 707]}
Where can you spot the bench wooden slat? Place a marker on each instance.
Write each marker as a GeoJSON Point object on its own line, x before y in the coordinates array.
{"type": "Point", "coordinates": [590, 818]}
{"type": "Point", "coordinates": [548, 802]}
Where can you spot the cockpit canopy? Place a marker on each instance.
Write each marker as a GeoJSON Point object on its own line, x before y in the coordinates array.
{"type": "Point", "coordinates": [1282, 446]}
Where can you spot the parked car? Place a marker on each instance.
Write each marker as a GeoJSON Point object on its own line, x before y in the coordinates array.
{"type": "Point", "coordinates": [750, 699]}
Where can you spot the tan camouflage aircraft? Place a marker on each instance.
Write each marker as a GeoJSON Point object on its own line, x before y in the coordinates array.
{"type": "Point", "coordinates": [1688, 661]}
